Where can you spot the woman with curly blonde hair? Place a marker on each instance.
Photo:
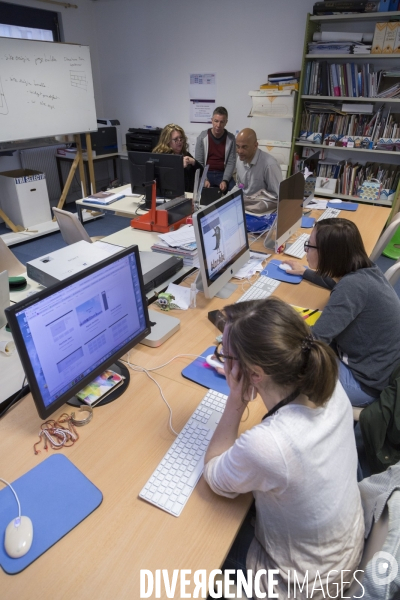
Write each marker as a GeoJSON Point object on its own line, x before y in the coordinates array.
{"type": "Point", "coordinates": [173, 140]}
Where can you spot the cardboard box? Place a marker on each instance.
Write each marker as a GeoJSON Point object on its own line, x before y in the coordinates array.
{"type": "Point", "coordinates": [24, 197]}
{"type": "Point", "coordinates": [279, 150]}
{"type": "Point", "coordinates": [379, 38]}
{"type": "Point", "coordinates": [276, 104]}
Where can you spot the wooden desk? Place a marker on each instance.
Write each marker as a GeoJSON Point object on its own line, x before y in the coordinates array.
{"type": "Point", "coordinates": [102, 557]}
{"type": "Point", "coordinates": [126, 207]}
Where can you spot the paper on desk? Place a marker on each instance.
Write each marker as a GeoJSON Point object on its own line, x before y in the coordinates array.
{"type": "Point", "coordinates": [108, 248]}
{"type": "Point", "coordinates": [252, 266]}
{"type": "Point", "coordinates": [181, 295]}
{"type": "Point", "coordinates": [317, 204]}
{"type": "Point", "coordinates": [183, 235]}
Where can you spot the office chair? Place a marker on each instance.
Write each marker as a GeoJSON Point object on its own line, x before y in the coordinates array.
{"type": "Point", "coordinates": [9, 262]}
{"type": "Point", "coordinates": [71, 228]}
{"type": "Point", "coordinates": [393, 273]}
{"type": "Point", "coordinates": [385, 239]}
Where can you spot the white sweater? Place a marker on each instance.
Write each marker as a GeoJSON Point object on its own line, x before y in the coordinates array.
{"type": "Point", "coordinates": [301, 466]}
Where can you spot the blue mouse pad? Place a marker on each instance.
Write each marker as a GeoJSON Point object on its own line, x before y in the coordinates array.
{"type": "Point", "coordinates": [352, 206]}
{"type": "Point", "coordinates": [200, 372]}
{"type": "Point", "coordinates": [56, 496]}
{"type": "Point", "coordinates": [272, 270]}
{"type": "Point", "coordinates": [307, 222]}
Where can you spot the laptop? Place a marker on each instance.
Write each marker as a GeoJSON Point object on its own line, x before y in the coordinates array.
{"type": "Point", "coordinates": [209, 195]}
{"type": "Point", "coordinates": [4, 297]}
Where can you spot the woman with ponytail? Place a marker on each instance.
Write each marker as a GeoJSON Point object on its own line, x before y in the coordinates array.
{"type": "Point", "coordinates": [300, 462]}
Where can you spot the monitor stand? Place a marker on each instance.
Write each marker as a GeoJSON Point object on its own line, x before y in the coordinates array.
{"type": "Point", "coordinates": [270, 239]}
{"type": "Point", "coordinates": [224, 293]}
{"type": "Point", "coordinates": [119, 368]}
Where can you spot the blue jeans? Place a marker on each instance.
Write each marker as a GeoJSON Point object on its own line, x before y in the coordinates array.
{"type": "Point", "coordinates": [215, 178]}
{"type": "Point", "coordinates": [352, 387]}
{"type": "Point", "coordinates": [236, 558]}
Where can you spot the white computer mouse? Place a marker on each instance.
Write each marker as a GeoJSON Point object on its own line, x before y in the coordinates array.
{"type": "Point", "coordinates": [213, 362]}
{"type": "Point", "coordinates": [18, 537]}
{"type": "Point", "coordinates": [285, 267]}
{"type": "Point", "coordinates": [335, 201]}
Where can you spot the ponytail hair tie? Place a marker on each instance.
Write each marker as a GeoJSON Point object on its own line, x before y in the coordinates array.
{"type": "Point", "coordinates": [307, 343]}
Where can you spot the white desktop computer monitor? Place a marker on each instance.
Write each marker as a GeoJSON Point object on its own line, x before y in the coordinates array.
{"type": "Point", "coordinates": [222, 244]}
{"type": "Point", "coordinates": [289, 209]}
{"type": "Point", "coordinates": [71, 332]}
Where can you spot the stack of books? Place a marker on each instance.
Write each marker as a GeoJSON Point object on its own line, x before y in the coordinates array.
{"type": "Point", "coordinates": [188, 252]}
{"type": "Point", "coordinates": [282, 81]}
{"type": "Point", "coordinates": [333, 7]}
{"type": "Point", "coordinates": [347, 79]}
{"type": "Point", "coordinates": [103, 198]}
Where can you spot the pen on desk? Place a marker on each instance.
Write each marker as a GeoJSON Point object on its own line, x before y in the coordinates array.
{"type": "Point", "coordinates": [311, 313]}
{"type": "Point", "coordinates": [305, 310]}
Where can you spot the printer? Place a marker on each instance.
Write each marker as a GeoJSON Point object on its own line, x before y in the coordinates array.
{"type": "Point", "coordinates": [60, 264]}
{"type": "Point", "coordinates": [107, 138]}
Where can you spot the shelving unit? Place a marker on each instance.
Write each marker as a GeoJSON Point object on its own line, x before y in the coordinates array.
{"type": "Point", "coordinates": [347, 22]}
{"type": "Point", "coordinates": [269, 107]}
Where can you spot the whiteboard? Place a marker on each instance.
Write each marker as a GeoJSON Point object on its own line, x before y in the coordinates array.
{"type": "Point", "coordinates": [46, 89]}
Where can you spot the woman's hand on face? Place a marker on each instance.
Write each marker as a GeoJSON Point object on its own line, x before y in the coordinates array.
{"type": "Point", "coordinates": [297, 268]}
{"type": "Point", "coordinates": [234, 377]}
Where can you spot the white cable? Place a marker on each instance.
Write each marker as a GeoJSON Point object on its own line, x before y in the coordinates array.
{"type": "Point", "coordinates": [165, 364]}
{"type": "Point", "coordinates": [15, 494]}
{"type": "Point", "coordinates": [140, 369]}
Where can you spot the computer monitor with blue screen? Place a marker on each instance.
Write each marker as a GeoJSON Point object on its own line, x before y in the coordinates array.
{"type": "Point", "coordinates": [222, 244]}
{"type": "Point", "coordinates": [69, 333]}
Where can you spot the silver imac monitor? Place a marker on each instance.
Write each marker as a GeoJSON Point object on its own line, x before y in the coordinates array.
{"type": "Point", "coordinates": [222, 244]}
{"type": "Point", "coordinates": [289, 212]}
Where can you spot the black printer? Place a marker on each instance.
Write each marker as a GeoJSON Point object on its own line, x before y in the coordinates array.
{"type": "Point", "coordinates": [142, 140]}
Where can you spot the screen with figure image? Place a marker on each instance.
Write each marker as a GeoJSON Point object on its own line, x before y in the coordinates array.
{"type": "Point", "coordinates": [71, 332]}
{"type": "Point", "coordinates": [222, 244]}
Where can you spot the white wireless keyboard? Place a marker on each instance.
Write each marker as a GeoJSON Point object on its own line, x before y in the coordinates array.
{"type": "Point", "coordinates": [297, 248]}
{"type": "Point", "coordinates": [262, 288]}
{"type": "Point", "coordinates": [175, 477]}
{"type": "Point", "coordinates": [329, 213]}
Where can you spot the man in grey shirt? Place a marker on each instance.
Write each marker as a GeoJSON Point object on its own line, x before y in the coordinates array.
{"type": "Point", "coordinates": [255, 170]}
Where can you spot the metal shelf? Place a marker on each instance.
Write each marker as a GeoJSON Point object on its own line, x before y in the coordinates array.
{"type": "Point", "coordinates": [344, 148]}
{"type": "Point", "coordinates": [354, 199]}
{"type": "Point", "coordinates": [347, 98]}
{"type": "Point", "coordinates": [355, 56]}
{"type": "Point", "coordinates": [374, 16]}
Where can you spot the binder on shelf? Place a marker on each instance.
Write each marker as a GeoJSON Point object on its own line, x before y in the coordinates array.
{"type": "Point", "coordinates": [390, 37]}
{"type": "Point", "coordinates": [379, 38]}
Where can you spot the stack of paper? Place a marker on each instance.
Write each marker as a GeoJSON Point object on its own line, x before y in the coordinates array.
{"type": "Point", "coordinates": [181, 243]}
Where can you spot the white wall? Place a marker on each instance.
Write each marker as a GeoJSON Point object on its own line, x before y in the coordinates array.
{"type": "Point", "coordinates": [154, 45]}
{"type": "Point", "coordinates": [143, 52]}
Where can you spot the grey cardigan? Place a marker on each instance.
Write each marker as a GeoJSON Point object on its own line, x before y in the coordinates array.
{"type": "Point", "coordinates": [201, 153]}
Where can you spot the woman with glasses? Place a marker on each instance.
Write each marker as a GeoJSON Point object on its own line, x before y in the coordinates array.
{"type": "Point", "coordinates": [173, 141]}
{"type": "Point", "coordinates": [300, 462]}
{"type": "Point", "coordinates": [362, 317]}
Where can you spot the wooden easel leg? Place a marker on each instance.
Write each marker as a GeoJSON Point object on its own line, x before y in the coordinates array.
{"type": "Point", "coordinates": [90, 163]}
{"type": "Point", "coordinates": [69, 180]}
{"type": "Point", "coordinates": [14, 228]}
{"type": "Point", "coordinates": [81, 167]}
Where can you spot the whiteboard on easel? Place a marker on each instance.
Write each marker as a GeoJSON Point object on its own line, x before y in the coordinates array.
{"type": "Point", "coordinates": [46, 89]}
